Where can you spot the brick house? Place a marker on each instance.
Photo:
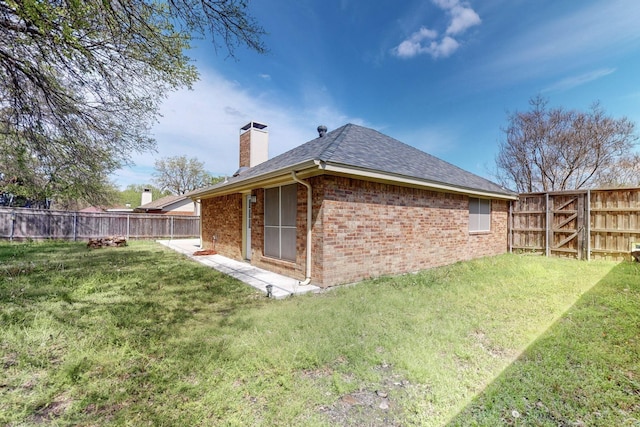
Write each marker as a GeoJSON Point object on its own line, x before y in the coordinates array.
{"type": "Point", "coordinates": [348, 205]}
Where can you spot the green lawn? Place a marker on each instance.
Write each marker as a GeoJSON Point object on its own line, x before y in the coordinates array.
{"type": "Point", "coordinates": [143, 336]}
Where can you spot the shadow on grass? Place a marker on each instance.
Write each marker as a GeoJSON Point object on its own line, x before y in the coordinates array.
{"type": "Point", "coordinates": [584, 370]}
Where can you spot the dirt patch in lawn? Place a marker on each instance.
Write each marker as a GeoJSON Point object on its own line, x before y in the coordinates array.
{"type": "Point", "coordinates": [52, 410]}
{"type": "Point", "coordinates": [376, 405]}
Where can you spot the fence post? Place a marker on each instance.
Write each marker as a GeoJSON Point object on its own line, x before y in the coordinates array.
{"type": "Point", "coordinates": [511, 202]}
{"type": "Point", "coordinates": [13, 222]}
{"type": "Point", "coordinates": [588, 225]}
{"type": "Point", "coordinates": [128, 216]}
{"type": "Point", "coordinates": [75, 226]}
{"type": "Point", "coordinates": [547, 227]}
{"type": "Point", "coordinates": [580, 225]}
{"type": "Point", "coordinates": [171, 238]}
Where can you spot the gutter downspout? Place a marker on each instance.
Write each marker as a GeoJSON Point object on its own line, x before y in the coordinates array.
{"type": "Point", "coordinates": [307, 280]}
{"type": "Point", "coordinates": [199, 212]}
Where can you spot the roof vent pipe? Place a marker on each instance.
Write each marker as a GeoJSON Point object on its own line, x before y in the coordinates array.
{"type": "Point", "coordinates": [322, 130]}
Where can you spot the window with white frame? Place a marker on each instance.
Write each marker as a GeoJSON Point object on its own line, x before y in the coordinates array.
{"type": "Point", "coordinates": [280, 211]}
{"type": "Point", "coordinates": [479, 214]}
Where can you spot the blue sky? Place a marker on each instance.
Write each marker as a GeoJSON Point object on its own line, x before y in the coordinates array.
{"type": "Point", "coordinates": [440, 75]}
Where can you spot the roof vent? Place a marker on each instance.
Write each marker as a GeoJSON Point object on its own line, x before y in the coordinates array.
{"type": "Point", "coordinates": [322, 130]}
{"type": "Point", "coordinates": [240, 171]}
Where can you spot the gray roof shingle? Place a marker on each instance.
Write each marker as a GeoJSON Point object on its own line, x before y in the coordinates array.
{"type": "Point", "coordinates": [360, 147]}
{"type": "Point", "coordinates": [162, 202]}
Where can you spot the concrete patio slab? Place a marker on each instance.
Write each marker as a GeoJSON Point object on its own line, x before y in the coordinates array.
{"type": "Point", "coordinates": [282, 286]}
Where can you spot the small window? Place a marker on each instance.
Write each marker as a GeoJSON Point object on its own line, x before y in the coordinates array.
{"type": "Point", "coordinates": [280, 212]}
{"type": "Point", "coordinates": [479, 214]}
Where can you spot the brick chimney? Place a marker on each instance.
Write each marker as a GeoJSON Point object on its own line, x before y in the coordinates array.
{"type": "Point", "coordinates": [254, 144]}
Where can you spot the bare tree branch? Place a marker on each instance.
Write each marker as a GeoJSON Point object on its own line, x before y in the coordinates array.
{"type": "Point", "coordinates": [551, 149]}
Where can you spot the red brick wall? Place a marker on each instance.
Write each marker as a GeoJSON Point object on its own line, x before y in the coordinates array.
{"type": "Point", "coordinates": [373, 229]}
{"type": "Point", "coordinates": [245, 149]}
{"type": "Point", "coordinates": [297, 269]}
{"type": "Point", "coordinates": [495, 242]}
{"type": "Point", "coordinates": [317, 242]}
{"type": "Point", "coordinates": [222, 217]}
{"type": "Point", "coordinates": [257, 226]}
{"type": "Point", "coordinates": [361, 229]}
{"type": "Point", "coordinates": [292, 269]}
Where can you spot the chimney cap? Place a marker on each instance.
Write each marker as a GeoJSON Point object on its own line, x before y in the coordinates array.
{"type": "Point", "coordinates": [254, 125]}
{"type": "Point", "coordinates": [322, 130]}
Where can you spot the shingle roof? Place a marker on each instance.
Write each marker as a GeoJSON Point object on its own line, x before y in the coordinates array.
{"type": "Point", "coordinates": [360, 147]}
{"type": "Point", "coordinates": [162, 202]}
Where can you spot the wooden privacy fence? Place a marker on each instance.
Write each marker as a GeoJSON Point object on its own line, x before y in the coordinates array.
{"type": "Point", "coordinates": [38, 224]}
{"type": "Point", "coordinates": [584, 224]}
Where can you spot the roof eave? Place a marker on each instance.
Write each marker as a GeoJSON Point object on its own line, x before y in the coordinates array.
{"type": "Point", "coordinates": [314, 167]}
{"type": "Point", "coordinates": [266, 179]}
{"type": "Point", "coordinates": [410, 181]}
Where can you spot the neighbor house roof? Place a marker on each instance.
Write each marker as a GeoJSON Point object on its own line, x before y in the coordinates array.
{"type": "Point", "coordinates": [161, 203]}
{"type": "Point", "coordinates": [367, 153]}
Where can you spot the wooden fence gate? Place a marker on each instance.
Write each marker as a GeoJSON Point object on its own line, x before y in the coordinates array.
{"type": "Point", "coordinates": [567, 231]}
{"type": "Point", "coordinates": [579, 224]}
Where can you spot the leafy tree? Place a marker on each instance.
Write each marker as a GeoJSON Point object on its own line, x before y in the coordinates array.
{"type": "Point", "coordinates": [180, 175]}
{"type": "Point", "coordinates": [132, 195]}
{"type": "Point", "coordinates": [552, 149]}
{"type": "Point", "coordinates": [81, 82]}
{"type": "Point", "coordinates": [109, 191]}
{"type": "Point", "coordinates": [216, 179]}
{"type": "Point", "coordinates": [66, 183]}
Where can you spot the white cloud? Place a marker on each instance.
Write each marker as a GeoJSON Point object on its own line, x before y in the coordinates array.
{"type": "Point", "coordinates": [444, 48]}
{"type": "Point", "coordinates": [205, 123]}
{"type": "Point", "coordinates": [413, 45]}
{"type": "Point", "coordinates": [462, 18]}
{"type": "Point", "coordinates": [574, 81]}
{"type": "Point", "coordinates": [425, 41]}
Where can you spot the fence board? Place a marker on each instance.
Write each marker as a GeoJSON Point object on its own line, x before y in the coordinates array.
{"type": "Point", "coordinates": [529, 223]}
{"type": "Point", "coordinates": [40, 224]}
{"type": "Point", "coordinates": [607, 223]}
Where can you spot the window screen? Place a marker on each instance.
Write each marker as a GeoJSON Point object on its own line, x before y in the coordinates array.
{"type": "Point", "coordinates": [479, 214]}
{"type": "Point", "coordinates": [280, 211]}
